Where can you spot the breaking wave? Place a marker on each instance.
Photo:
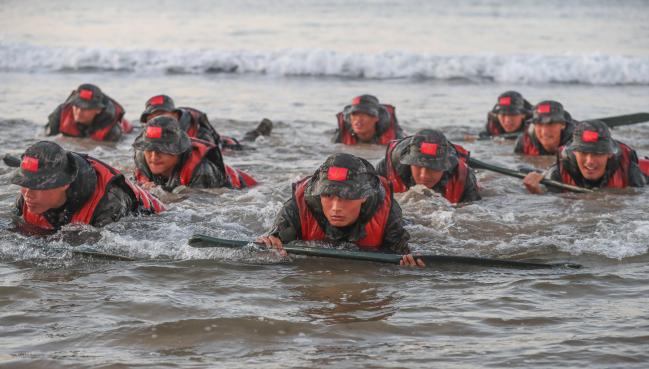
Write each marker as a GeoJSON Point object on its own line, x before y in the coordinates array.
{"type": "Point", "coordinates": [592, 69]}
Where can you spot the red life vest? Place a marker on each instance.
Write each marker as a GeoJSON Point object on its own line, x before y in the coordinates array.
{"type": "Point", "coordinates": [311, 231]}
{"type": "Point", "coordinates": [528, 145]}
{"type": "Point", "coordinates": [198, 120]}
{"type": "Point", "coordinates": [200, 149]}
{"type": "Point", "coordinates": [68, 126]}
{"type": "Point", "coordinates": [85, 214]}
{"type": "Point", "coordinates": [192, 131]}
{"type": "Point", "coordinates": [454, 188]}
{"type": "Point", "coordinates": [390, 134]}
{"type": "Point", "coordinates": [397, 183]}
{"type": "Point", "coordinates": [620, 177]}
{"type": "Point", "coordinates": [126, 126]}
{"type": "Point", "coordinates": [493, 125]}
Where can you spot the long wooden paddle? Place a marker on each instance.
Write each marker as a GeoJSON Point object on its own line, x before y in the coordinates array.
{"type": "Point", "coordinates": [86, 251]}
{"type": "Point", "coordinates": [612, 122]}
{"type": "Point", "coordinates": [475, 163]}
{"type": "Point", "coordinates": [204, 241]}
{"type": "Point", "coordinates": [484, 136]}
{"type": "Point", "coordinates": [625, 120]}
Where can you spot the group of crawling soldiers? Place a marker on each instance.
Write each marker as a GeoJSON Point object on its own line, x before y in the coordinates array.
{"type": "Point", "coordinates": [347, 199]}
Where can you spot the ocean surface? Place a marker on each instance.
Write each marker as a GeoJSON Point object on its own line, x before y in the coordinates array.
{"type": "Point", "coordinates": [442, 64]}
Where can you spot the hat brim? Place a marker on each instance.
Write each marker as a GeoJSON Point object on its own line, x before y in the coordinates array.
{"type": "Point", "coordinates": [594, 148]}
{"type": "Point", "coordinates": [430, 162]}
{"type": "Point", "coordinates": [364, 108]}
{"type": "Point", "coordinates": [45, 181]}
{"type": "Point", "coordinates": [165, 147]}
{"type": "Point", "coordinates": [154, 109]}
{"type": "Point", "coordinates": [85, 104]}
{"type": "Point", "coordinates": [547, 119]}
{"type": "Point", "coordinates": [343, 190]}
{"type": "Point", "coordinates": [510, 110]}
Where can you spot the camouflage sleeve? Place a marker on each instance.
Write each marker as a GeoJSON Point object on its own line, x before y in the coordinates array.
{"type": "Point", "coordinates": [53, 121]}
{"type": "Point", "coordinates": [208, 128]}
{"type": "Point", "coordinates": [107, 117]}
{"type": "Point", "coordinates": [491, 117]}
{"type": "Point", "coordinates": [555, 175]}
{"type": "Point", "coordinates": [398, 130]}
{"type": "Point", "coordinates": [636, 177]}
{"type": "Point", "coordinates": [396, 237]}
{"type": "Point", "coordinates": [381, 168]}
{"type": "Point", "coordinates": [18, 208]}
{"type": "Point", "coordinates": [208, 175]}
{"type": "Point", "coordinates": [518, 146]}
{"type": "Point", "coordinates": [115, 133]}
{"type": "Point", "coordinates": [115, 204]}
{"type": "Point", "coordinates": [231, 143]}
{"type": "Point", "coordinates": [471, 188]}
{"type": "Point", "coordinates": [484, 134]}
{"type": "Point", "coordinates": [287, 222]}
{"type": "Point", "coordinates": [337, 137]}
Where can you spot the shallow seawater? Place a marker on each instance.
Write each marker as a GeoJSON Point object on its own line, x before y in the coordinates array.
{"type": "Point", "coordinates": [298, 63]}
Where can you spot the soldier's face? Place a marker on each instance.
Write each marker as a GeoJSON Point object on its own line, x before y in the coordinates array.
{"type": "Point", "coordinates": [341, 212]}
{"type": "Point", "coordinates": [549, 135]}
{"type": "Point", "coordinates": [40, 201]}
{"type": "Point", "coordinates": [425, 176]}
{"type": "Point", "coordinates": [364, 125]}
{"type": "Point", "coordinates": [160, 163]}
{"type": "Point", "coordinates": [592, 166]}
{"type": "Point", "coordinates": [84, 116]}
{"type": "Point", "coordinates": [511, 123]}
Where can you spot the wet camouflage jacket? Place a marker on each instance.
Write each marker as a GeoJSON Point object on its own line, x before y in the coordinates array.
{"type": "Point", "coordinates": [205, 130]}
{"type": "Point", "coordinates": [635, 176]}
{"type": "Point", "coordinates": [103, 119]}
{"type": "Point", "coordinates": [206, 175]}
{"type": "Point", "coordinates": [116, 203]}
{"type": "Point", "coordinates": [470, 187]}
{"type": "Point", "coordinates": [287, 224]}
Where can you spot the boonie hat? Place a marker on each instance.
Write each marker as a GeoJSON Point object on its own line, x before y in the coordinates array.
{"type": "Point", "coordinates": [593, 136]}
{"type": "Point", "coordinates": [547, 112]}
{"type": "Point", "coordinates": [163, 134]}
{"type": "Point", "coordinates": [346, 176]}
{"type": "Point", "coordinates": [45, 165]}
{"type": "Point", "coordinates": [158, 103]}
{"type": "Point", "coordinates": [88, 96]}
{"type": "Point", "coordinates": [510, 103]}
{"type": "Point", "coordinates": [367, 104]}
{"type": "Point", "coordinates": [429, 148]}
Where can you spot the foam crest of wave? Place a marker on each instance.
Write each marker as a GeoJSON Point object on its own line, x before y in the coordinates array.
{"type": "Point", "coordinates": [595, 69]}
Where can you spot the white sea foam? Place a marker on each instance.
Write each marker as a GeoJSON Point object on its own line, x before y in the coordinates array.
{"type": "Point", "coordinates": [594, 69]}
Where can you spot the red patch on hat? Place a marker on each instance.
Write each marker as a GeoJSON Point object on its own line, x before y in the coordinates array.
{"type": "Point", "coordinates": [153, 132]}
{"type": "Point", "coordinates": [29, 164]}
{"type": "Point", "coordinates": [356, 100]}
{"type": "Point", "coordinates": [590, 136]}
{"type": "Point", "coordinates": [543, 109]}
{"type": "Point", "coordinates": [505, 101]}
{"type": "Point", "coordinates": [337, 174]}
{"type": "Point", "coordinates": [85, 94]}
{"type": "Point", "coordinates": [157, 100]}
{"type": "Point", "coordinates": [428, 148]}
